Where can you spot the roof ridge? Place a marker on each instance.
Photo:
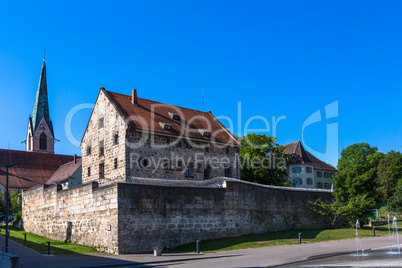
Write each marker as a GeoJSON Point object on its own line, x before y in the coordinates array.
{"type": "Point", "coordinates": [181, 107]}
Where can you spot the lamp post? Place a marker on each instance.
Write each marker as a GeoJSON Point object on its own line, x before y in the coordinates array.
{"type": "Point", "coordinates": [7, 167]}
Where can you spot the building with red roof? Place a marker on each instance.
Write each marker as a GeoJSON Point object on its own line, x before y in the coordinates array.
{"type": "Point", "coordinates": [305, 170]}
{"type": "Point", "coordinates": [38, 163]}
{"type": "Point", "coordinates": [129, 136]}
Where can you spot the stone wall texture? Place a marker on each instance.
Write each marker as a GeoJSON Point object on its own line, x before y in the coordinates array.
{"type": "Point", "coordinates": [84, 214]}
{"type": "Point", "coordinates": [133, 218]}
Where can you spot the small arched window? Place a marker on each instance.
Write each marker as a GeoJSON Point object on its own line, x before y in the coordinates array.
{"type": "Point", "coordinates": [43, 142]}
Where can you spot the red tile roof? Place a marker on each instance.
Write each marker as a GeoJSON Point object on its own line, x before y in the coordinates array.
{"type": "Point", "coordinates": [300, 156]}
{"type": "Point", "coordinates": [35, 167]}
{"type": "Point", "coordinates": [149, 114]}
{"type": "Point", "coordinates": [65, 171]}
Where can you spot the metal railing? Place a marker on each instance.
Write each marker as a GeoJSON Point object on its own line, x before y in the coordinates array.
{"type": "Point", "coordinates": [8, 259]}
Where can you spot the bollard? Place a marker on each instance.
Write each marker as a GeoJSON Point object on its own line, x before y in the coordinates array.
{"type": "Point", "coordinates": [373, 231]}
{"type": "Point", "coordinates": [25, 238]}
{"type": "Point", "coordinates": [198, 246]}
{"type": "Point", "coordinates": [300, 238]}
{"type": "Point", "coordinates": [157, 252]}
{"type": "Point", "coordinates": [48, 248]}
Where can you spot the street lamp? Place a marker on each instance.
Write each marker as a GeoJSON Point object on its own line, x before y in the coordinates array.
{"type": "Point", "coordinates": [7, 167]}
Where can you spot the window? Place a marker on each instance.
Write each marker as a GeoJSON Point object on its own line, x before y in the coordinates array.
{"type": "Point", "coordinates": [228, 172]}
{"type": "Point", "coordinates": [167, 164]}
{"type": "Point", "coordinates": [297, 181]}
{"type": "Point", "coordinates": [207, 172]}
{"type": "Point", "coordinates": [165, 126]}
{"type": "Point", "coordinates": [206, 148]}
{"type": "Point", "coordinates": [101, 122]}
{"type": "Point", "coordinates": [168, 141]}
{"type": "Point", "coordinates": [205, 132]}
{"type": "Point", "coordinates": [179, 165]}
{"type": "Point", "coordinates": [189, 171]}
{"type": "Point", "coordinates": [178, 144]}
{"type": "Point", "coordinates": [187, 145]}
{"type": "Point", "coordinates": [101, 149]}
{"type": "Point", "coordinates": [115, 163]}
{"type": "Point", "coordinates": [319, 174]}
{"type": "Point", "coordinates": [199, 168]}
{"type": "Point", "coordinates": [174, 116]}
{"type": "Point", "coordinates": [116, 138]}
{"type": "Point", "coordinates": [319, 185]}
{"type": "Point", "coordinates": [227, 150]}
{"type": "Point", "coordinates": [43, 142]}
{"type": "Point", "coordinates": [89, 171]}
{"type": "Point", "coordinates": [327, 185]}
{"type": "Point", "coordinates": [101, 170]}
{"type": "Point", "coordinates": [143, 162]}
{"type": "Point", "coordinates": [309, 170]}
{"type": "Point", "coordinates": [309, 181]}
{"type": "Point", "coordinates": [296, 169]}
{"type": "Point", "coordinates": [89, 150]}
{"type": "Point", "coordinates": [326, 175]}
{"type": "Point", "coordinates": [331, 175]}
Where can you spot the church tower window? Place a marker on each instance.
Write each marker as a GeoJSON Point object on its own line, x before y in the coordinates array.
{"type": "Point", "coordinates": [43, 142]}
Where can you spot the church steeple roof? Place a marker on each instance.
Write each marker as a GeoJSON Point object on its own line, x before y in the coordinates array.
{"type": "Point", "coordinates": [41, 106]}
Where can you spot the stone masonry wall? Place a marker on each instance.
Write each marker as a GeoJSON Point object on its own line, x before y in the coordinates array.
{"type": "Point", "coordinates": [159, 216]}
{"type": "Point", "coordinates": [158, 149]}
{"type": "Point", "coordinates": [133, 218]}
{"type": "Point", "coordinates": [84, 214]}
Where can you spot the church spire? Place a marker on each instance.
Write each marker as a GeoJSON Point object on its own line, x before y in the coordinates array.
{"type": "Point", "coordinates": [41, 106]}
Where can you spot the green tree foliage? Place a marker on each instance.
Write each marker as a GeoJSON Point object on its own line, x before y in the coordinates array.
{"type": "Point", "coordinates": [262, 160]}
{"type": "Point", "coordinates": [357, 173]}
{"type": "Point", "coordinates": [395, 202]}
{"type": "Point", "coordinates": [330, 210]}
{"type": "Point", "coordinates": [355, 184]}
{"type": "Point", "coordinates": [15, 202]}
{"type": "Point", "coordinates": [389, 172]}
{"type": "Point", "coordinates": [2, 203]}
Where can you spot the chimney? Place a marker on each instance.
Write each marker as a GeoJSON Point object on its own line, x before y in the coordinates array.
{"type": "Point", "coordinates": [134, 99]}
{"type": "Point", "coordinates": [75, 159]}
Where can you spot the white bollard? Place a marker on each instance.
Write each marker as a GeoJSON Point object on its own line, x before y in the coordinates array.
{"type": "Point", "coordinates": [157, 252]}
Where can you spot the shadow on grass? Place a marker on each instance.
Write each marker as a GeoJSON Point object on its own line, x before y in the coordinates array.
{"type": "Point", "coordinates": [38, 243]}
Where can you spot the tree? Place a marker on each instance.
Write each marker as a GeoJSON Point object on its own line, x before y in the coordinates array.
{"type": "Point", "coordinates": [262, 160]}
{"type": "Point", "coordinates": [395, 202]}
{"type": "Point", "coordinates": [15, 202]}
{"type": "Point", "coordinates": [355, 184]}
{"type": "Point", "coordinates": [357, 172]}
{"type": "Point", "coordinates": [2, 203]}
{"type": "Point", "coordinates": [389, 172]}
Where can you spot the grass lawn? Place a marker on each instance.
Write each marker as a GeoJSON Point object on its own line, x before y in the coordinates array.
{"type": "Point", "coordinates": [280, 239]}
{"type": "Point", "coordinates": [38, 243]}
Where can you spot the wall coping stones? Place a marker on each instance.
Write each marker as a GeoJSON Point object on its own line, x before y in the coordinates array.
{"type": "Point", "coordinates": [294, 189]}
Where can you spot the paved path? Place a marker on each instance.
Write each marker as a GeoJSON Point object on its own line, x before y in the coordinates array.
{"type": "Point", "coordinates": [263, 257]}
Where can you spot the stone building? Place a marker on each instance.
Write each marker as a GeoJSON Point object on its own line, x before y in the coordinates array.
{"type": "Point", "coordinates": [129, 137]}
{"type": "Point", "coordinates": [307, 171]}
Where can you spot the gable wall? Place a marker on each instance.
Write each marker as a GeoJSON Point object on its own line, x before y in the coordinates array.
{"type": "Point", "coordinates": [94, 135]}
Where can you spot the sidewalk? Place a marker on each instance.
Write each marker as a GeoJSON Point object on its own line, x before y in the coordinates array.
{"type": "Point", "coordinates": [262, 257]}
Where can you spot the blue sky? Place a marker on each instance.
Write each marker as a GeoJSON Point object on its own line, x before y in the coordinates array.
{"type": "Point", "coordinates": [278, 58]}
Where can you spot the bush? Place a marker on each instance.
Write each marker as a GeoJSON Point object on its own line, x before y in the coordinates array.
{"type": "Point", "coordinates": [18, 216]}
